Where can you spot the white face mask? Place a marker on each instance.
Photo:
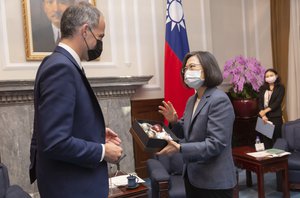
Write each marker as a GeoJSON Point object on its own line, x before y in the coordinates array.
{"type": "Point", "coordinates": [271, 79]}
{"type": "Point", "coordinates": [192, 79]}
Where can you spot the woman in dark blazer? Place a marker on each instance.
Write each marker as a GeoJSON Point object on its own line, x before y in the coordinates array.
{"type": "Point", "coordinates": [271, 96]}
{"type": "Point", "coordinates": [206, 128]}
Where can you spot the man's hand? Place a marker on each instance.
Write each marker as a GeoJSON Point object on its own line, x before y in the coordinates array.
{"type": "Point", "coordinates": [113, 152]}
{"type": "Point", "coordinates": [112, 137]}
{"type": "Point", "coordinates": [172, 147]}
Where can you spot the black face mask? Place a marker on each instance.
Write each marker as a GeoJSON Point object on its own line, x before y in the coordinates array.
{"type": "Point", "coordinates": [96, 52]}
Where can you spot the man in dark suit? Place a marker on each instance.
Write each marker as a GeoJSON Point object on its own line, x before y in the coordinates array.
{"type": "Point", "coordinates": [70, 145]}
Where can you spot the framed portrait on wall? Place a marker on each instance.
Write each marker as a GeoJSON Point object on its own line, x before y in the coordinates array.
{"type": "Point", "coordinates": [41, 20]}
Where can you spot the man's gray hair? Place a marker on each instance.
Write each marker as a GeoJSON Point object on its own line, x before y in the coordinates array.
{"type": "Point", "coordinates": [77, 15]}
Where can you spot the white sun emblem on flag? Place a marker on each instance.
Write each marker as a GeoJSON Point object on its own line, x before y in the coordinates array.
{"type": "Point", "coordinates": [175, 14]}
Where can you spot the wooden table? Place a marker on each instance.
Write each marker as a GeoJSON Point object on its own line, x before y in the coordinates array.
{"type": "Point", "coordinates": [261, 166]}
{"type": "Point", "coordinates": [123, 191]}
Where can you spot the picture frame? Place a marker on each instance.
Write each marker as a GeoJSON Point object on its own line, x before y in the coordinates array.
{"type": "Point", "coordinates": [41, 19]}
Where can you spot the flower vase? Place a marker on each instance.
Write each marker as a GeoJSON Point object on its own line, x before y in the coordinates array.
{"type": "Point", "coordinates": [245, 108]}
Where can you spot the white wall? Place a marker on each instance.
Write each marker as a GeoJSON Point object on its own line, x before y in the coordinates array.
{"type": "Point", "coordinates": [134, 41]}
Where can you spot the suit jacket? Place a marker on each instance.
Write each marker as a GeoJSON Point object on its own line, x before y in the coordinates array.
{"type": "Point", "coordinates": [43, 38]}
{"type": "Point", "coordinates": [68, 131]}
{"type": "Point", "coordinates": [275, 101]}
{"type": "Point", "coordinates": [206, 147]}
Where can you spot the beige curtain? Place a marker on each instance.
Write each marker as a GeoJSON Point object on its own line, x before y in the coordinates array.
{"type": "Point", "coordinates": [293, 82]}
{"type": "Point", "coordinates": [280, 21]}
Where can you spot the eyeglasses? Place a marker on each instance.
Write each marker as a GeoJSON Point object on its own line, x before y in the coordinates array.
{"type": "Point", "coordinates": [100, 37]}
{"type": "Point", "coordinates": [192, 66]}
{"type": "Point", "coordinates": [93, 33]}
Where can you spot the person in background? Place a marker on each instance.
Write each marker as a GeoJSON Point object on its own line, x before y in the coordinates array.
{"type": "Point", "coordinates": [54, 10]}
{"type": "Point", "coordinates": [206, 128]}
{"type": "Point", "coordinates": [46, 35]}
{"type": "Point", "coordinates": [271, 95]}
{"type": "Point", "coordinates": [70, 145]}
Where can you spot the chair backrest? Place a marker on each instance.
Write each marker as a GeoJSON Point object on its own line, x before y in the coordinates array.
{"type": "Point", "coordinates": [172, 163]}
{"type": "Point", "coordinates": [4, 180]}
{"type": "Point", "coordinates": [291, 132]}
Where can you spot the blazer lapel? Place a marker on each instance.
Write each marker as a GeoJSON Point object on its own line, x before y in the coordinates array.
{"type": "Point", "coordinates": [85, 80]}
{"type": "Point", "coordinates": [273, 96]}
{"type": "Point", "coordinates": [203, 101]}
{"type": "Point", "coordinates": [188, 115]}
{"type": "Point", "coordinates": [201, 104]}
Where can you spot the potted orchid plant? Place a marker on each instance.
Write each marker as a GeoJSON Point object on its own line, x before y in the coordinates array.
{"type": "Point", "coordinates": [246, 76]}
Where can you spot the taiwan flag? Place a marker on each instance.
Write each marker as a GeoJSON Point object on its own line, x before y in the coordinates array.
{"type": "Point", "coordinates": [176, 46]}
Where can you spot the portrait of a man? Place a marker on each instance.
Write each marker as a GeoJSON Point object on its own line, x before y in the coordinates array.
{"type": "Point", "coordinates": [45, 36]}
{"type": "Point", "coordinates": [42, 25]}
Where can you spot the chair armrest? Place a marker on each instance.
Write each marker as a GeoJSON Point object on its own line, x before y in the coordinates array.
{"type": "Point", "coordinates": [281, 144]}
{"type": "Point", "coordinates": [157, 171]}
{"type": "Point", "coordinates": [159, 178]}
{"type": "Point", "coordinates": [16, 191]}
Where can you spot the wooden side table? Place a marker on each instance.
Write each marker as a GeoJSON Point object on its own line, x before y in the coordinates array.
{"type": "Point", "coordinates": [261, 166]}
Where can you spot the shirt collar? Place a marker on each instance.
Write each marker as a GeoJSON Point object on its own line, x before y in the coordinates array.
{"type": "Point", "coordinates": [56, 32]}
{"type": "Point", "coordinates": [72, 52]}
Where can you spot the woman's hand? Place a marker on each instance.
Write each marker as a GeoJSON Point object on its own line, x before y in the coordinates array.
{"type": "Point", "coordinates": [168, 111]}
{"type": "Point", "coordinates": [262, 113]}
{"type": "Point", "coordinates": [172, 147]}
{"type": "Point", "coordinates": [112, 137]}
{"type": "Point", "coordinates": [265, 119]}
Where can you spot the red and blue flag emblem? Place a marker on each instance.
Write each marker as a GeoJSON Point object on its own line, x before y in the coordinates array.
{"type": "Point", "coordinates": [176, 46]}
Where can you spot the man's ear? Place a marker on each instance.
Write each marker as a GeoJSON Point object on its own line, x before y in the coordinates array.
{"type": "Point", "coordinates": [84, 29]}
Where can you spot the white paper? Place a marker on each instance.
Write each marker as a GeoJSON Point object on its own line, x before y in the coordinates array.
{"type": "Point", "coordinates": [121, 180]}
{"type": "Point", "coordinates": [266, 129]}
{"type": "Point", "coordinates": [266, 153]}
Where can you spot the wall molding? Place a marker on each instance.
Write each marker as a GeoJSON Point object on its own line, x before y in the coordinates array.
{"type": "Point", "coordinates": [244, 28]}
{"type": "Point", "coordinates": [256, 30]}
{"type": "Point", "coordinates": [19, 92]}
{"type": "Point", "coordinates": [125, 26]}
{"type": "Point", "coordinates": [156, 84]}
{"type": "Point", "coordinates": [137, 36]}
{"type": "Point", "coordinates": [3, 36]}
{"type": "Point", "coordinates": [203, 17]}
{"type": "Point", "coordinates": [7, 65]}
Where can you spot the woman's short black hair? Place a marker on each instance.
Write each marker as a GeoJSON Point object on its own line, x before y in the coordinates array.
{"type": "Point", "coordinates": [212, 72]}
{"type": "Point", "coordinates": [277, 81]}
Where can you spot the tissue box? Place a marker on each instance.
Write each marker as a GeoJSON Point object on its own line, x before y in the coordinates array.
{"type": "Point", "coordinates": [144, 141]}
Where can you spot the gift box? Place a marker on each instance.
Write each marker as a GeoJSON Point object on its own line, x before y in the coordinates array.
{"type": "Point", "coordinates": [144, 141]}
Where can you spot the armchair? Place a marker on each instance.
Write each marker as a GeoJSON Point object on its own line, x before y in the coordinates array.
{"type": "Point", "coordinates": [165, 173]}
{"type": "Point", "coordinates": [7, 190]}
{"type": "Point", "coordinates": [290, 142]}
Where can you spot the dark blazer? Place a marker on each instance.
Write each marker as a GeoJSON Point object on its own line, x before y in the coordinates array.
{"type": "Point", "coordinates": [206, 147]}
{"type": "Point", "coordinates": [68, 131]}
{"type": "Point", "coordinates": [275, 100]}
{"type": "Point", "coordinates": [43, 38]}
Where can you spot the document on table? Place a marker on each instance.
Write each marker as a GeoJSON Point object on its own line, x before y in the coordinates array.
{"type": "Point", "coordinates": [266, 129]}
{"type": "Point", "coordinates": [121, 180]}
{"type": "Point", "coordinates": [269, 153]}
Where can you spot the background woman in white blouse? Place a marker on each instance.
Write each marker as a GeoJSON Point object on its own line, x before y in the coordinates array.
{"type": "Point", "coordinates": [270, 98]}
